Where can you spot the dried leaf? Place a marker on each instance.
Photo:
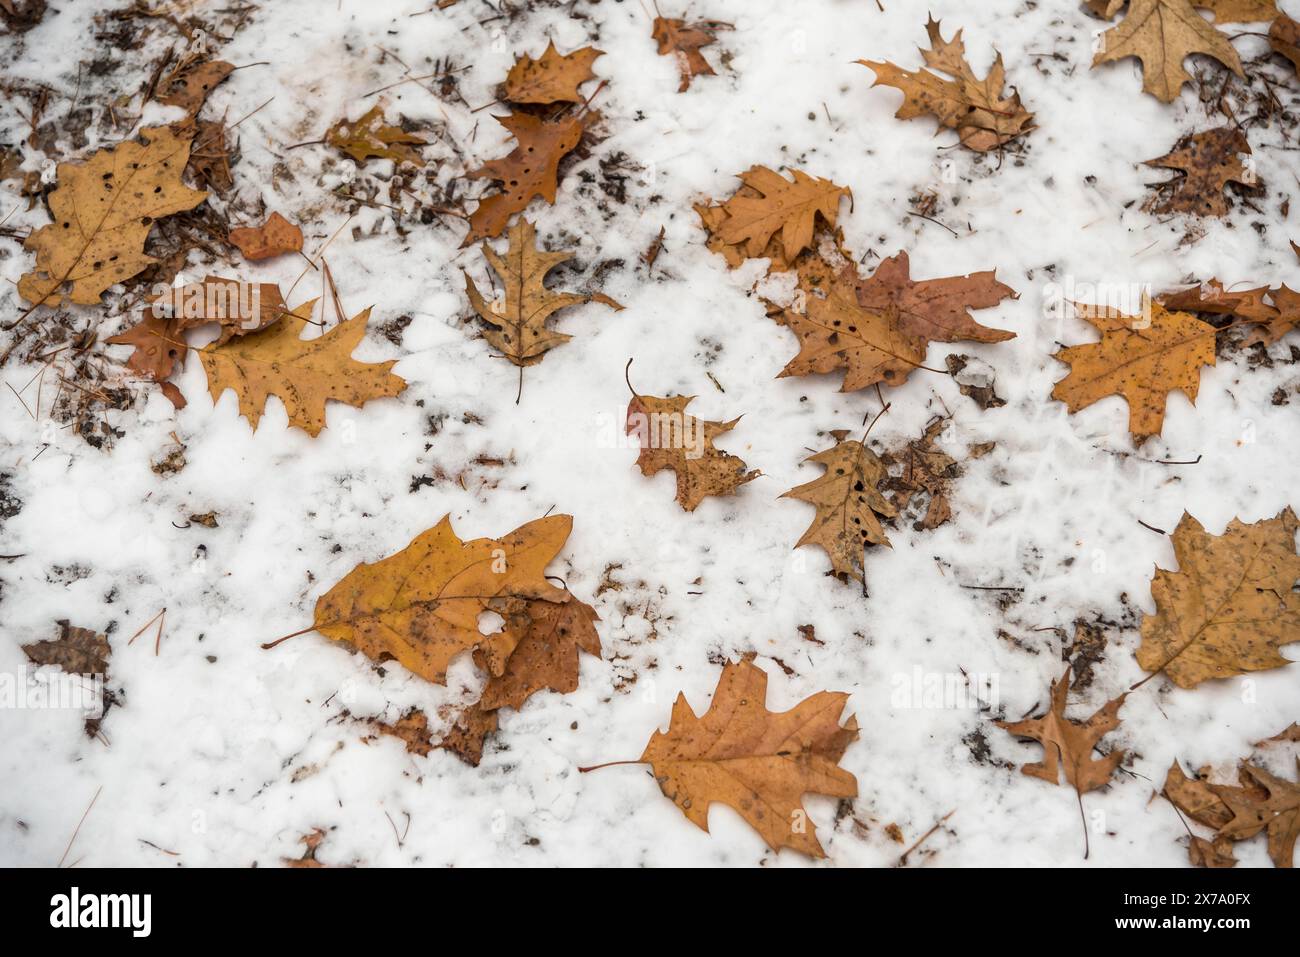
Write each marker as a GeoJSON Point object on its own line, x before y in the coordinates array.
{"type": "Point", "coordinates": [1209, 161]}
{"type": "Point", "coordinates": [189, 87]}
{"type": "Point", "coordinates": [1216, 853]}
{"type": "Point", "coordinates": [1195, 798]}
{"type": "Point", "coordinates": [312, 843]}
{"type": "Point", "coordinates": [304, 373]}
{"type": "Point", "coordinates": [671, 439]}
{"type": "Point", "coordinates": [464, 737]}
{"type": "Point", "coordinates": [847, 504]}
{"type": "Point", "coordinates": [921, 471]}
{"type": "Point", "coordinates": [421, 606]}
{"type": "Point", "coordinates": [1284, 38]}
{"type": "Point", "coordinates": [1239, 11]}
{"type": "Point", "coordinates": [1278, 813]}
{"type": "Point", "coordinates": [518, 330]}
{"type": "Point", "coordinates": [756, 761]}
{"type": "Point", "coordinates": [1290, 735]}
{"type": "Point", "coordinates": [77, 651]}
{"type": "Point", "coordinates": [103, 210]}
{"type": "Point", "coordinates": [1139, 360]}
{"type": "Point", "coordinates": [275, 237]}
{"type": "Point", "coordinates": [1068, 744]}
{"type": "Point", "coordinates": [545, 653]}
{"type": "Point", "coordinates": [552, 78]}
{"type": "Point", "coordinates": [370, 137]}
{"type": "Point", "coordinates": [530, 170]}
{"type": "Point", "coordinates": [1162, 33]}
{"type": "Point", "coordinates": [1229, 607]}
{"type": "Point", "coordinates": [684, 41]}
{"type": "Point", "coordinates": [977, 109]}
{"type": "Point", "coordinates": [768, 204]}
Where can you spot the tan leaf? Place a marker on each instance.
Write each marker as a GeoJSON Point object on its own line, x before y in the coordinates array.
{"type": "Point", "coordinates": [551, 78]}
{"type": "Point", "coordinates": [421, 606]}
{"type": "Point", "coordinates": [1229, 607]}
{"type": "Point", "coordinates": [847, 503]}
{"type": "Point", "coordinates": [1068, 744]}
{"type": "Point", "coordinates": [769, 204]}
{"type": "Point", "coordinates": [1195, 798]}
{"type": "Point", "coordinates": [1239, 11]}
{"type": "Point", "coordinates": [370, 137]}
{"type": "Point", "coordinates": [530, 170]}
{"type": "Point", "coordinates": [1289, 734]}
{"type": "Point", "coordinates": [671, 439]}
{"type": "Point", "coordinates": [684, 41]}
{"type": "Point", "coordinates": [1208, 161]}
{"type": "Point", "coordinates": [275, 237]}
{"type": "Point", "coordinates": [1278, 814]}
{"type": "Point", "coordinates": [977, 109]}
{"type": "Point", "coordinates": [518, 331]}
{"type": "Point", "coordinates": [1162, 33]}
{"type": "Point", "coordinates": [1284, 38]}
{"type": "Point", "coordinates": [1216, 853]}
{"type": "Point", "coordinates": [756, 761]}
{"type": "Point", "coordinates": [546, 653]}
{"type": "Point", "coordinates": [1139, 361]}
{"type": "Point", "coordinates": [311, 842]}
{"type": "Point", "coordinates": [189, 86]}
{"type": "Point", "coordinates": [464, 736]}
{"type": "Point", "coordinates": [103, 209]}
{"type": "Point", "coordinates": [304, 373]}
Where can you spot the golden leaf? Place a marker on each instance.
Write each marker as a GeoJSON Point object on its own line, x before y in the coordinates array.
{"type": "Point", "coordinates": [551, 78]}
{"type": "Point", "coordinates": [1162, 33]}
{"type": "Point", "coordinates": [371, 137]}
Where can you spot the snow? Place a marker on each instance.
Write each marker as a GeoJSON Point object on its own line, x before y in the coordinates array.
{"type": "Point", "coordinates": [226, 754]}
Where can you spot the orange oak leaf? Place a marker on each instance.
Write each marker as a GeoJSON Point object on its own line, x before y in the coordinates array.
{"type": "Point", "coordinates": [371, 138]}
{"type": "Point", "coordinates": [847, 503]}
{"type": "Point", "coordinates": [1141, 359]}
{"type": "Point", "coordinates": [769, 206]}
{"type": "Point", "coordinates": [530, 170]}
{"type": "Point", "coordinates": [1277, 813]}
{"type": "Point", "coordinates": [552, 78]}
{"type": "Point", "coordinates": [684, 41]}
{"type": "Point", "coordinates": [544, 653]}
{"type": "Point", "coordinates": [1208, 161]}
{"type": "Point", "coordinates": [421, 606]}
{"type": "Point", "coordinates": [756, 761]}
{"type": "Point", "coordinates": [1230, 606]}
{"type": "Point", "coordinates": [466, 732]}
{"type": "Point", "coordinates": [671, 439]}
{"type": "Point", "coordinates": [984, 118]}
{"type": "Point", "coordinates": [275, 237]}
{"type": "Point", "coordinates": [188, 86]}
{"type": "Point", "coordinates": [1162, 33]}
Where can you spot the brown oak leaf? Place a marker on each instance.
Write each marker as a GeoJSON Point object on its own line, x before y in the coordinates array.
{"type": "Point", "coordinates": [275, 237]}
{"type": "Point", "coordinates": [370, 137]}
{"type": "Point", "coordinates": [984, 118]}
{"type": "Point", "coordinates": [1208, 161]}
{"type": "Point", "coordinates": [1162, 33]}
{"type": "Point", "coordinates": [1231, 604]}
{"type": "Point", "coordinates": [552, 78]}
{"type": "Point", "coordinates": [1284, 38]}
{"type": "Point", "coordinates": [684, 41]}
{"type": "Point", "coordinates": [771, 216]}
{"type": "Point", "coordinates": [671, 439]}
{"type": "Point", "coordinates": [188, 86]}
{"type": "Point", "coordinates": [77, 651]}
{"type": "Point", "coordinates": [544, 654]}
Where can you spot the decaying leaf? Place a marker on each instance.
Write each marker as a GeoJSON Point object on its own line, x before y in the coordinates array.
{"type": "Point", "coordinates": [684, 41]}
{"type": "Point", "coordinates": [552, 78]}
{"type": "Point", "coordinates": [545, 650]}
{"type": "Point", "coordinates": [1230, 606]}
{"type": "Point", "coordinates": [421, 606]}
{"type": "Point", "coordinates": [773, 216]}
{"type": "Point", "coordinates": [1068, 744]}
{"type": "Point", "coordinates": [984, 118]}
{"type": "Point", "coordinates": [1208, 161]}
{"type": "Point", "coordinates": [311, 843]}
{"type": "Point", "coordinates": [188, 87]}
{"type": "Point", "coordinates": [878, 329]}
{"type": "Point", "coordinates": [1162, 33]}
{"type": "Point", "coordinates": [77, 651]}
{"type": "Point", "coordinates": [103, 209]}
{"type": "Point", "coordinates": [756, 761]}
{"type": "Point", "coordinates": [1139, 358]}
{"type": "Point", "coordinates": [1239, 11]}
{"type": "Point", "coordinates": [847, 504]}
{"type": "Point", "coordinates": [1215, 853]}
{"type": "Point", "coordinates": [275, 237]}
{"type": "Point", "coordinates": [1262, 802]}
{"type": "Point", "coordinates": [1195, 798]}
{"type": "Point", "coordinates": [671, 439]}
{"type": "Point", "coordinates": [464, 737]}
{"type": "Point", "coordinates": [921, 473]}
{"type": "Point", "coordinates": [370, 137]}
{"type": "Point", "coordinates": [1284, 38]}
{"type": "Point", "coordinates": [1272, 312]}
{"type": "Point", "coordinates": [518, 329]}
{"type": "Point", "coordinates": [303, 373]}
{"type": "Point", "coordinates": [530, 170]}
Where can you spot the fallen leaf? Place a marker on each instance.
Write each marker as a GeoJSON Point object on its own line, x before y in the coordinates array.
{"type": "Point", "coordinates": [518, 329]}
{"type": "Point", "coordinates": [973, 382]}
{"type": "Point", "coordinates": [684, 41]}
{"type": "Point", "coordinates": [1208, 161]}
{"type": "Point", "coordinates": [210, 156]}
{"type": "Point", "coordinates": [275, 237]}
{"type": "Point", "coordinates": [769, 205]}
{"type": "Point", "coordinates": [1139, 359]}
{"type": "Point", "coordinates": [529, 170]}
{"type": "Point", "coordinates": [878, 329]}
{"type": "Point", "coordinates": [1290, 734]}
{"type": "Point", "coordinates": [847, 504]}
{"type": "Point", "coordinates": [370, 137]}
{"type": "Point", "coordinates": [920, 471]}
{"type": "Point", "coordinates": [189, 87]}
{"type": "Point", "coordinates": [1068, 744]}
{"type": "Point", "coordinates": [1239, 11]}
{"type": "Point", "coordinates": [421, 606]}
{"type": "Point", "coordinates": [303, 373]}
{"type": "Point", "coordinates": [984, 118]}
{"type": "Point", "coordinates": [758, 762]}
{"type": "Point", "coordinates": [1216, 853]}
{"type": "Point", "coordinates": [1195, 798]}
{"type": "Point", "coordinates": [1278, 813]}
{"type": "Point", "coordinates": [77, 651]}
{"type": "Point", "coordinates": [671, 439]}
{"type": "Point", "coordinates": [468, 728]}
{"type": "Point", "coordinates": [1229, 607]}
{"type": "Point", "coordinates": [312, 843]}
{"type": "Point", "coordinates": [1284, 38]}
{"type": "Point", "coordinates": [551, 78]}
{"type": "Point", "coordinates": [103, 209]}
{"type": "Point", "coordinates": [545, 655]}
{"type": "Point", "coordinates": [1162, 33]}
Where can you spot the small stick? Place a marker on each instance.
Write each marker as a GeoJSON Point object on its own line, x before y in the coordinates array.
{"type": "Point", "coordinates": [79, 823]}
{"type": "Point", "coordinates": [921, 840]}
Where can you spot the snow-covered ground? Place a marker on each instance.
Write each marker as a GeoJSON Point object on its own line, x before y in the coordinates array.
{"type": "Point", "coordinates": [224, 754]}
